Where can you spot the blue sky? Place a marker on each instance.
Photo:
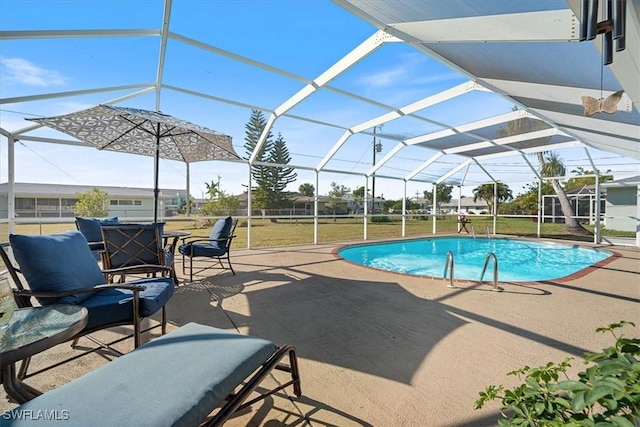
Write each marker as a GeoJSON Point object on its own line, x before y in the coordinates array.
{"type": "Point", "coordinates": [301, 37]}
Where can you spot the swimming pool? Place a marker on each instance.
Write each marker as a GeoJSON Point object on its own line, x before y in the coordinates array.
{"type": "Point", "coordinates": [518, 260]}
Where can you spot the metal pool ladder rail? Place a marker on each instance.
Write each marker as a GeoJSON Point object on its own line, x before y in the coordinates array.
{"type": "Point", "coordinates": [487, 232]}
{"type": "Point", "coordinates": [449, 262]}
{"type": "Point", "coordinates": [491, 255]}
{"type": "Point", "coordinates": [473, 231]}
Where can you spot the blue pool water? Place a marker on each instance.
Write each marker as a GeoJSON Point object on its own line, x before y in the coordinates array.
{"type": "Point", "coordinates": [518, 260]}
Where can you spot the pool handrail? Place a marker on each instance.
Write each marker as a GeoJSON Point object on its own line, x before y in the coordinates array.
{"type": "Point", "coordinates": [491, 255]}
{"type": "Point", "coordinates": [473, 231]}
{"type": "Point", "coordinates": [487, 232]}
{"type": "Point", "coordinates": [449, 261]}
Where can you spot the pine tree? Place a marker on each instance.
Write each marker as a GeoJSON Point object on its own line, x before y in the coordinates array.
{"type": "Point", "coordinates": [270, 181]}
{"type": "Point", "coordinates": [280, 177]}
{"type": "Point", "coordinates": [253, 130]}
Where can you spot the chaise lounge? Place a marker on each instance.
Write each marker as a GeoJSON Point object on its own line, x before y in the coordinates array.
{"type": "Point", "coordinates": [178, 379]}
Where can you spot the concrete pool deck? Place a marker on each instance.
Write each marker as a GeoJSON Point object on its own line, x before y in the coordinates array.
{"type": "Point", "coordinates": [386, 349]}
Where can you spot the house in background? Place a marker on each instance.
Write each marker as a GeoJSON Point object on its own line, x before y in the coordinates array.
{"type": "Point", "coordinates": [58, 200]}
{"type": "Point", "coordinates": [302, 205]}
{"type": "Point", "coordinates": [623, 204]}
{"type": "Point", "coordinates": [467, 205]}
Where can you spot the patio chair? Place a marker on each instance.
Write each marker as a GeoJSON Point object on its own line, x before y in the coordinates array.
{"type": "Point", "coordinates": [60, 269]}
{"type": "Point", "coordinates": [136, 249]}
{"type": "Point", "coordinates": [215, 247]}
{"type": "Point", "coordinates": [90, 228]}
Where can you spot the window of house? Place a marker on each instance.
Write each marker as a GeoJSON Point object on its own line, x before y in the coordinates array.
{"type": "Point", "coordinates": [25, 203]}
{"type": "Point", "coordinates": [68, 203]}
{"type": "Point", "coordinates": [125, 202]}
{"type": "Point", "coordinates": [48, 204]}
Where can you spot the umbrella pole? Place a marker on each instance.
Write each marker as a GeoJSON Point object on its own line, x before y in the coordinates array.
{"type": "Point", "coordinates": [188, 205]}
{"type": "Point", "coordinates": [156, 189]}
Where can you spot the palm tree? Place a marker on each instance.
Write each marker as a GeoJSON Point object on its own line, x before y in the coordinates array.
{"type": "Point", "coordinates": [550, 166]}
{"type": "Point", "coordinates": [485, 192]}
{"type": "Point", "coordinates": [212, 189]}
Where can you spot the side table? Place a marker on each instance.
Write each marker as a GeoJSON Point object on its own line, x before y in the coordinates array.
{"type": "Point", "coordinates": [31, 331]}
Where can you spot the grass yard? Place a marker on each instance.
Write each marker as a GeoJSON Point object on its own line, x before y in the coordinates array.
{"type": "Point", "coordinates": [265, 233]}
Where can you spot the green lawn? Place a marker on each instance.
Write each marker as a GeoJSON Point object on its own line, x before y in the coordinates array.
{"type": "Point", "coordinates": [265, 233]}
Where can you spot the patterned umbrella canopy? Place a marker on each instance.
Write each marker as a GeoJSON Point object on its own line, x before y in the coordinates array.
{"type": "Point", "coordinates": [150, 133]}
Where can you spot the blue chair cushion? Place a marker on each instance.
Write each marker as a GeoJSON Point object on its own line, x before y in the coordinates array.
{"type": "Point", "coordinates": [221, 228]}
{"type": "Point", "coordinates": [202, 249]}
{"type": "Point", "coordinates": [174, 380]}
{"type": "Point", "coordinates": [57, 262]}
{"type": "Point", "coordinates": [90, 227]}
{"type": "Point", "coordinates": [115, 305]}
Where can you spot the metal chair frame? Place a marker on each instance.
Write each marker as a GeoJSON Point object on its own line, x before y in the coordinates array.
{"type": "Point", "coordinates": [23, 295]}
{"type": "Point", "coordinates": [134, 249]}
{"type": "Point", "coordinates": [225, 256]}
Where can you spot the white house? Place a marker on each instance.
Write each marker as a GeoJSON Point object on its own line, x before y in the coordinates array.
{"type": "Point", "coordinates": [623, 204]}
{"type": "Point", "coordinates": [467, 205]}
{"type": "Point", "coordinates": [58, 200]}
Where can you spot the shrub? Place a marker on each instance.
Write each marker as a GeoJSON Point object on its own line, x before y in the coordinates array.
{"type": "Point", "coordinates": [382, 218]}
{"type": "Point", "coordinates": [606, 394]}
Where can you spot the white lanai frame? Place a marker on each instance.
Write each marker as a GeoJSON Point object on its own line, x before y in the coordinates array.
{"type": "Point", "coordinates": [475, 33]}
{"type": "Point", "coordinates": [360, 52]}
{"type": "Point", "coordinates": [364, 49]}
{"type": "Point", "coordinates": [524, 26]}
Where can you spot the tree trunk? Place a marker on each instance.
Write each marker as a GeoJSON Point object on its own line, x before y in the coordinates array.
{"type": "Point", "coordinates": [571, 225]}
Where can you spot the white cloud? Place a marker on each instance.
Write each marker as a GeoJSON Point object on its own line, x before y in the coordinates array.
{"type": "Point", "coordinates": [385, 78]}
{"type": "Point", "coordinates": [411, 69]}
{"type": "Point", "coordinates": [25, 72]}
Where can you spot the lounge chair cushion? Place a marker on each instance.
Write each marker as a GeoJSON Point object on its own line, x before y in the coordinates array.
{"type": "Point", "coordinates": [115, 305]}
{"type": "Point", "coordinates": [57, 262]}
{"type": "Point", "coordinates": [174, 380]}
{"type": "Point", "coordinates": [90, 227]}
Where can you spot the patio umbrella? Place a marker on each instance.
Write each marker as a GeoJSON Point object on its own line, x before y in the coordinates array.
{"type": "Point", "coordinates": [150, 133]}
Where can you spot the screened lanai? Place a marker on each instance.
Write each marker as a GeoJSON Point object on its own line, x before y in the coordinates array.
{"type": "Point", "coordinates": [437, 86]}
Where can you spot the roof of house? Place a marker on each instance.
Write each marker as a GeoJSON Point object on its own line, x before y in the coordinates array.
{"type": "Point", "coordinates": [632, 181]}
{"type": "Point", "coordinates": [31, 189]}
{"type": "Point", "coordinates": [453, 203]}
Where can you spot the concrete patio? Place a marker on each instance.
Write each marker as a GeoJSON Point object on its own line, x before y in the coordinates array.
{"type": "Point", "coordinates": [385, 349]}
